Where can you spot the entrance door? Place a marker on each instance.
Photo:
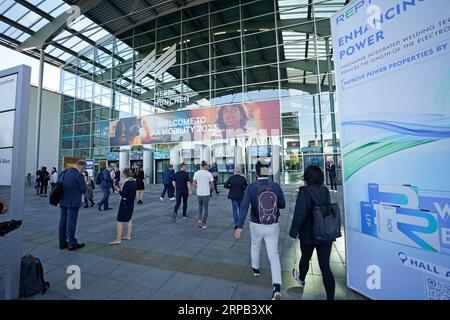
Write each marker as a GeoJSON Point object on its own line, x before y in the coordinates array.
{"type": "Point", "coordinates": [160, 166]}
{"type": "Point", "coordinates": [135, 164]}
{"type": "Point", "coordinates": [100, 166]}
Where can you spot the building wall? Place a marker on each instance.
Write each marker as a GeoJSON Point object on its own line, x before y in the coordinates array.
{"type": "Point", "coordinates": [50, 128]}
{"type": "Point", "coordinates": [225, 52]}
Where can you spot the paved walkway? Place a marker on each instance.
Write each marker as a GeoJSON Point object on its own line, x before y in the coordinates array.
{"type": "Point", "coordinates": [164, 260]}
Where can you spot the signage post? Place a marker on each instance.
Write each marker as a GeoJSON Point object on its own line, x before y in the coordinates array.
{"type": "Point", "coordinates": [392, 64]}
{"type": "Point", "coordinates": [14, 105]}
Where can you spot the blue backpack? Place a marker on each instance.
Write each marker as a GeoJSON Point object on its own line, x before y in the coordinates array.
{"type": "Point", "coordinates": [99, 178]}
{"type": "Point", "coordinates": [267, 204]}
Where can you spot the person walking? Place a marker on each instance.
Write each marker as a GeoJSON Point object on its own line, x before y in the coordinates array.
{"type": "Point", "coordinates": [126, 207]}
{"type": "Point", "coordinates": [106, 185]}
{"type": "Point", "coordinates": [204, 182]}
{"type": "Point", "coordinates": [302, 226]}
{"type": "Point", "coordinates": [53, 177]}
{"type": "Point", "coordinates": [183, 189]}
{"type": "Point", "coordinates": [117, 177]}
{"type": "Point", "coordinates": [140, 181]}
{"type": "Point", "coordinates": [89, 194]}
{"type": "Point", "coordinates": [73, 189]}
{"type": "Point", "coordinates": [265, 198]}
{"type": "Point", "coordinates": [331, 169]}
{"type": "Point", "coordinates": [237, 185]}
{"type": "Point", "coordinates": [112, 173]}
{"type": "Point", "coordinates": [168, 177]}
{"type": "Point", "coordinates": [44, 178]}
{"type": "Point", "coordinates": [37, 185]}
{"type": "Point", "coordinates": [215, 174]}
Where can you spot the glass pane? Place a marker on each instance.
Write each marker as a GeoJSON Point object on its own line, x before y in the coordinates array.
{"type": "Point", "coordinates": [6, 129]}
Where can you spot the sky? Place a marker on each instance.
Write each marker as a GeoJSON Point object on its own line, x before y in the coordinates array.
{"type": "Point", "coordinates": [11, 58]}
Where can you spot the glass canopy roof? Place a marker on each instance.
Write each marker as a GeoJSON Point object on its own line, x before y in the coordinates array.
{"type": "Point", "coordinates": [21, 19]}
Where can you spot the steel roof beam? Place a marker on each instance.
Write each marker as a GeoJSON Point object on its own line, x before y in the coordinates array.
{"type": "Point", "coordinates": [53, 28]}
{"type": "Point", "coordinates": [160, 14]}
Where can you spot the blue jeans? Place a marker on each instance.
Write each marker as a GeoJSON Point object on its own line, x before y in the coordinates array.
{"type": "Point", "coordinates": [104, 201]}
{"type": "Point", "coordinates": [236, 211]}
{"type": "Point", "coordinates": [333, 182]}
{"type": "Point", "coordinates": [67, 226]}
{"type": "Point", "coordinates": [181, 195]}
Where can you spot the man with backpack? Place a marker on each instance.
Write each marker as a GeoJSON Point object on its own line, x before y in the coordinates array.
{"type": "Point", "coordinates": [106, 183]}
{"type": "Point", "coordinates": [265, 198]}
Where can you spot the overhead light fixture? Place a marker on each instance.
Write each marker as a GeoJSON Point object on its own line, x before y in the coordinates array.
{"type": "Point", "coordinates": [264, 29]}
{"type": "Point", "coordinates": [219, 33]}
{"type": "Point", "coordinates": [166, 48]}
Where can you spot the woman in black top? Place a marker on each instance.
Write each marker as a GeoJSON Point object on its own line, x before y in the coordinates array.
{"type": "Point", "coordinates": [44, 177]}
{"type": "Point", "coordinates": [302, 226]}
{"type": "Point", "coordinates": [140, 181]}
{"type": "Point", "coordinates": [126, 207]}
{"type": "Point", "coordinates": [237, 185]}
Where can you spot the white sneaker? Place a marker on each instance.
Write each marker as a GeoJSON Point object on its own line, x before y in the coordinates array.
{"type": "Point", "coordinates": [335, 190]}
{"type": "Point", "coordinates": [276, 295]}
{"type": "Point", "coordinates": [172, 199]}
{"type": "Point", "coordinates": [160, 198]}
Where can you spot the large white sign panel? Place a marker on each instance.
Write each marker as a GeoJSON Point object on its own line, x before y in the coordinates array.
{"type": "Point", "coordinates": [392, 63]}
{"type": "Point", "coordinates": [8, 87]}
{"type": "Point", "coordinates": [6, 129]}
{"type": "Point", "coordinates": [5, 166]}
{"type": "Point", "coordinates": [14, 105]}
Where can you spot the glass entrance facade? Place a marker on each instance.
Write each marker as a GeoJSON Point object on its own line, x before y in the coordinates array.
{"type": "Point", "coordinates": [212, 54]}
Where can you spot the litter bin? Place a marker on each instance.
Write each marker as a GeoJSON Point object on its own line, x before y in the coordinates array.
{"type": "Point", "coordinates": [29, 179]}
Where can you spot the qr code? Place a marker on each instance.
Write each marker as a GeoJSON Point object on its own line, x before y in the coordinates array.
{"type": "Point", "coordinates": [437, 290]}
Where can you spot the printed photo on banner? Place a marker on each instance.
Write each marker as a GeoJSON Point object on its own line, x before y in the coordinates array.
{"type": "Point", "coordinates": [243, 120]}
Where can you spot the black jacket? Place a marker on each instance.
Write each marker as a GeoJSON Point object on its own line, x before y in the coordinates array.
{"type": "Point", "coordinates": [237, 185]}
{"type": "Point", "coordinates": [128, 194]}
{"type": "Point", "coordinates": [331, 170]}
{"type": "Point", "coordinates": [302, 220]}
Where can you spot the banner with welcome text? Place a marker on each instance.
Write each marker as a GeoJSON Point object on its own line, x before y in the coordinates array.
{"type": "Point", "coordinates": [243, 120]}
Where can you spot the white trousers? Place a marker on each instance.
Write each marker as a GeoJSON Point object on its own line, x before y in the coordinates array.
{"type": "Point", "coordinates": [269, 233]}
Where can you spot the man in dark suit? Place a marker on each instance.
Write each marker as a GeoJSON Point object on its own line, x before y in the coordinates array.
{"type": "Point", "coordinates": [168, 177]}
{"type": "Point", "coordinates": [237, 185]}
{"type": "Point", "coordinates": [106, 186]}
{"type": "Point", "coordinates": [73, 188]}
{"type": "Point", "coordinates": [331, 169]}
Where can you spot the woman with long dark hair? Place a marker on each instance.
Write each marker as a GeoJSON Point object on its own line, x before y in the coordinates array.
{"type": "Point", "coordinates": [89, 194]}
{"type": "Point", "coordinates": [43, 181]}
{"type": "Point", "coordinates": [126, 132]}
{"type": "Point", "coordinates": [302, 226]}
{"type": "Point", "coordinates": [232, 121]}
{"type": "Point", "coordinates": [139, 176]}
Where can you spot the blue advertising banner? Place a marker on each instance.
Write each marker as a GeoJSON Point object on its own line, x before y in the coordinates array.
{"type": "Point", "coordinates": [392, 64]}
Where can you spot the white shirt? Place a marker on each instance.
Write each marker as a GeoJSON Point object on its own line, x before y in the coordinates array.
{"type": "Point", "coordinates": [54, 178]}
{"type": "Point", "coordinates": [203, 179]}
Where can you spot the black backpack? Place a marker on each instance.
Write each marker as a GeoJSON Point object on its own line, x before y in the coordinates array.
{"type": "Point", "coordinates": [32, 277]}
{"type": "Point", "coordinates": [57, 192]}
{"type": "Point", "coordinates": [326, 218]}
